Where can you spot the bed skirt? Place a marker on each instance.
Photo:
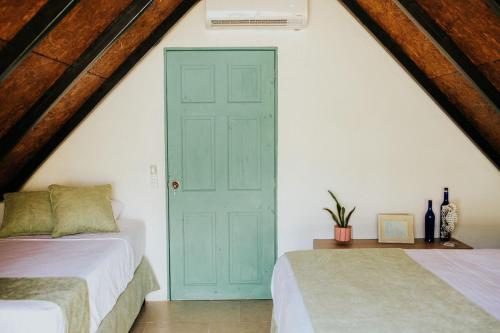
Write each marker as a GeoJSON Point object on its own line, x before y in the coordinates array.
{"type": "Point", "coordinates": [121, 318]}
{"type": "Point", "coordinates": [274, 327]}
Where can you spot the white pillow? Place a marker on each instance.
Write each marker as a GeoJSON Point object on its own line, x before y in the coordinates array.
{"type": "Point", "coordinates": [117, 207]}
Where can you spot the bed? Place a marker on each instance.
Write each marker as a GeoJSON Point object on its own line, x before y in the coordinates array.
{"type": "Point", "coordinates": [111, 268]}
{"type": "Point", "coordinates": [387, 290]}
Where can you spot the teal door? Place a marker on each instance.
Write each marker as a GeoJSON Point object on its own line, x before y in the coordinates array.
{"type": "Point", "coordinates": [221, 172]}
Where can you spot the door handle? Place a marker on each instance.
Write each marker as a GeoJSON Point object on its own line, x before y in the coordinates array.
{"type": "Point", "coordinates": [175, 184]}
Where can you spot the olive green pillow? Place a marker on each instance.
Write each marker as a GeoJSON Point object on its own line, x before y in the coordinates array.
{"type": "Point", "coordinates": [27, 213]}
{"type": "Point", "coordinates": [82, 209]}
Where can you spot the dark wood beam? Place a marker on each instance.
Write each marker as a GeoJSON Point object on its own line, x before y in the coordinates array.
{"type": "Point", "coordinates": [451, 50]}
{"type": "Point", "coordinates": [24, 173]}
{"type": "Point", "coordinates": [494, 5]}
{"type": "Point", "coordinates": [72, 73]}
{"type": "Point", "coordinates": [422, 79]}
{"type": "Point", "coordinates": [32, 33]}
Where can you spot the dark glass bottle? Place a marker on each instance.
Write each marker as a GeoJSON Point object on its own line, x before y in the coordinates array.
{"type": "Point", "coordinates": [443, 234]}
{"type": "Point", "coordinates": [429, 223]}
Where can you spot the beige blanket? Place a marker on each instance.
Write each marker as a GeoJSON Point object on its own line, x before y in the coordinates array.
{"type": "Point", "coordinates": [381, 290]}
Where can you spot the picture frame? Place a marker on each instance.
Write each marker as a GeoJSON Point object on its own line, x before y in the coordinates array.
{"type": "Point", "coordinates": [396, 228]}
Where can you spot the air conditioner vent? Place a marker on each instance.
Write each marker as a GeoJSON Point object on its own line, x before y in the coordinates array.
{"type": "Point", "coordinates": [272, 22]}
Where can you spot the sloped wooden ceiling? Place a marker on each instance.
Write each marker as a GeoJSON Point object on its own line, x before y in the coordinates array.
{"type": "Point", "coordinates": [473, 28]}
{"type": "Point", "coordinates": [69, 70]}
{"type": "Point", "coordinates": [83, 48]}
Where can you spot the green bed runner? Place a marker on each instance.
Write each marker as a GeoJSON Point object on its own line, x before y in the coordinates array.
{"type": "Point", "coordinates": [70, 294]}
{"type": "Point", "coordinates": [381, 290]}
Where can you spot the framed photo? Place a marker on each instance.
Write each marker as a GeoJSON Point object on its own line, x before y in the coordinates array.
{"type": "Point", "coordinates": [395, 228]}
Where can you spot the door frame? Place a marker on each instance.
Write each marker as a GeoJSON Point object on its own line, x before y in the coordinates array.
{"type": "Point", "coordinates": [165, 135]}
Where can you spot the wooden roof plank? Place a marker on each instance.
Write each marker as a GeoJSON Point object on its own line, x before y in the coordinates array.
{"type": "Point", "coordinates": [451, 50]}
{"type": "Point", "coordinates": [71, 74]}
{"type": "Point", "coordinates": [41, 155]}
{"type": "Point", "coordinates": [422, 79]}
{"type": "Point", "coordinates": [32, 33]}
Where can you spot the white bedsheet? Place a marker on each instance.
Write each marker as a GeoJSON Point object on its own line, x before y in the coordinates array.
{"type": "Point", "coordinates": [474, 273]}
{"type": "Point", "coordinates": [289, 311]}
{"type": "Point", "coordinates": [106, 261]}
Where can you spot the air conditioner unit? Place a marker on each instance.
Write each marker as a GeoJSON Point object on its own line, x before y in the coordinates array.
{"type": "Point", "coordinates": [291, 14]}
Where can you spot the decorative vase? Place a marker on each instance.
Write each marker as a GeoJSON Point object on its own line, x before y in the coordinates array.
{"type": "Point", "coordinates": [343, 235]}
{"type": "Point", "coordinates": [444, 233]}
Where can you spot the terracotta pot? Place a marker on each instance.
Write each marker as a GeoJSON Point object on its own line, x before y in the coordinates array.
{"type": "Point", "coordinates": [343, 235]}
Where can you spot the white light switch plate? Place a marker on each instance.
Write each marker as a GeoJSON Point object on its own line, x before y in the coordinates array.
{"type": "Point", "coordinates": [153, 176]}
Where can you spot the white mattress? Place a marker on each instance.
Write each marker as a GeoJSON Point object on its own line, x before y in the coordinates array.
{"type": "Point", "coordinates": [474, 273]}
{"type": "Point", "coordinates": [106, 261]}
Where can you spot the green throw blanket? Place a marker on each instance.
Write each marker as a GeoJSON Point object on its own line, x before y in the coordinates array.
{"type": "Point", "coordinates": [381, 290]}
{"type": "Point", "coordinates": [70, 294]}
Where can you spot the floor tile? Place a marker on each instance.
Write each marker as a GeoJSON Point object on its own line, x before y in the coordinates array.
{"type": "Point", "coordinates": [247, 327]}
{"type": "Point", "coordinates": [246, 316]}
{"type": "Point", "coordinates": [176, 327]}
{"type": "Point", "coordinates": [138, 327]}
{"type": "Point", "coordinates": [256, 310]}
{"type": "Point", "coordinates": [205, 311]}
{"type": "Point", "coordinates": [154, 312]}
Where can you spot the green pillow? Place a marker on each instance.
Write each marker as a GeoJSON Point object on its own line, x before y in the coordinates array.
{"type": "Point", "coordinates": [82, 209]}
{"type": "Point", "coordinates": [27, 213]}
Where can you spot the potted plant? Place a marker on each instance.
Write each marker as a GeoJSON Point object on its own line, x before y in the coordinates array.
{"type": "Point", "coordinates": [342, 230]}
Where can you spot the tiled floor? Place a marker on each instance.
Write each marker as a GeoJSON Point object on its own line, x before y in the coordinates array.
{"type": "Point", "coordinates": [205, 316]}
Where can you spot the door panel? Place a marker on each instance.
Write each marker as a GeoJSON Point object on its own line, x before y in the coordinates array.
{"type": "Point", "coordinates": [199, 248]}
{"type": "Point", "coordinates": [244, 154]}
{"type": "Point", "coordinates": [221, 150]}
{"type": "Point", "coordinates": [244, 251]}
{"type": "Point", "coordinates": [244, 84]}
{"type": "Point", "coordinates": [198, 85]}
{"type": "Point", "coordinates": [198, 153]}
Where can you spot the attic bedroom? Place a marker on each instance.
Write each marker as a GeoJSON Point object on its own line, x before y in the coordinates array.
{"type": "Point", "coordinates": [286, 166]}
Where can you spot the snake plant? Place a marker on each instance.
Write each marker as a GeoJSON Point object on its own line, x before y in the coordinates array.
{"type": "Point", "coordinates": [339, 218]}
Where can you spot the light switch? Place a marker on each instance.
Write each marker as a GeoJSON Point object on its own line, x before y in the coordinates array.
{"type": "Point", "coordinates": [153, 176]}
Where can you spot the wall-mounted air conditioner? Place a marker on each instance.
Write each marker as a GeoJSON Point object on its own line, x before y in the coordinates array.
{"type": "Point", "coordinates": [291, 14]}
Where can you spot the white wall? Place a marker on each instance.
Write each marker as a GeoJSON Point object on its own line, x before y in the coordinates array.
{"type": "Point", "coordinates": [349, 119]}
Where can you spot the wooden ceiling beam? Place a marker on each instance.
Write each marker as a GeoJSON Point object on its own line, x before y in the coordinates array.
{"type": "Point", "coordinates": [494, 5]}
{"type": "Point", "coordinates": [27, 170]}
{"type": "Point", "coordinates": [450, 50]}
{"type": "Point", "coordinates": [422, 79]}
{"type": "Point", "coordinates": [71, 74]}
{"type": "Point", "coordinates": [32, 33]}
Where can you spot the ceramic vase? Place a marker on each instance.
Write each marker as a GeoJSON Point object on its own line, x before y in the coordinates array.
{"type": "Point", "coordinates": [343, 235]}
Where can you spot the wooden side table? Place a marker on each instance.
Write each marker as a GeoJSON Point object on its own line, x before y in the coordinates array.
{"type": "Point", "coordinates": [373, 243]}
